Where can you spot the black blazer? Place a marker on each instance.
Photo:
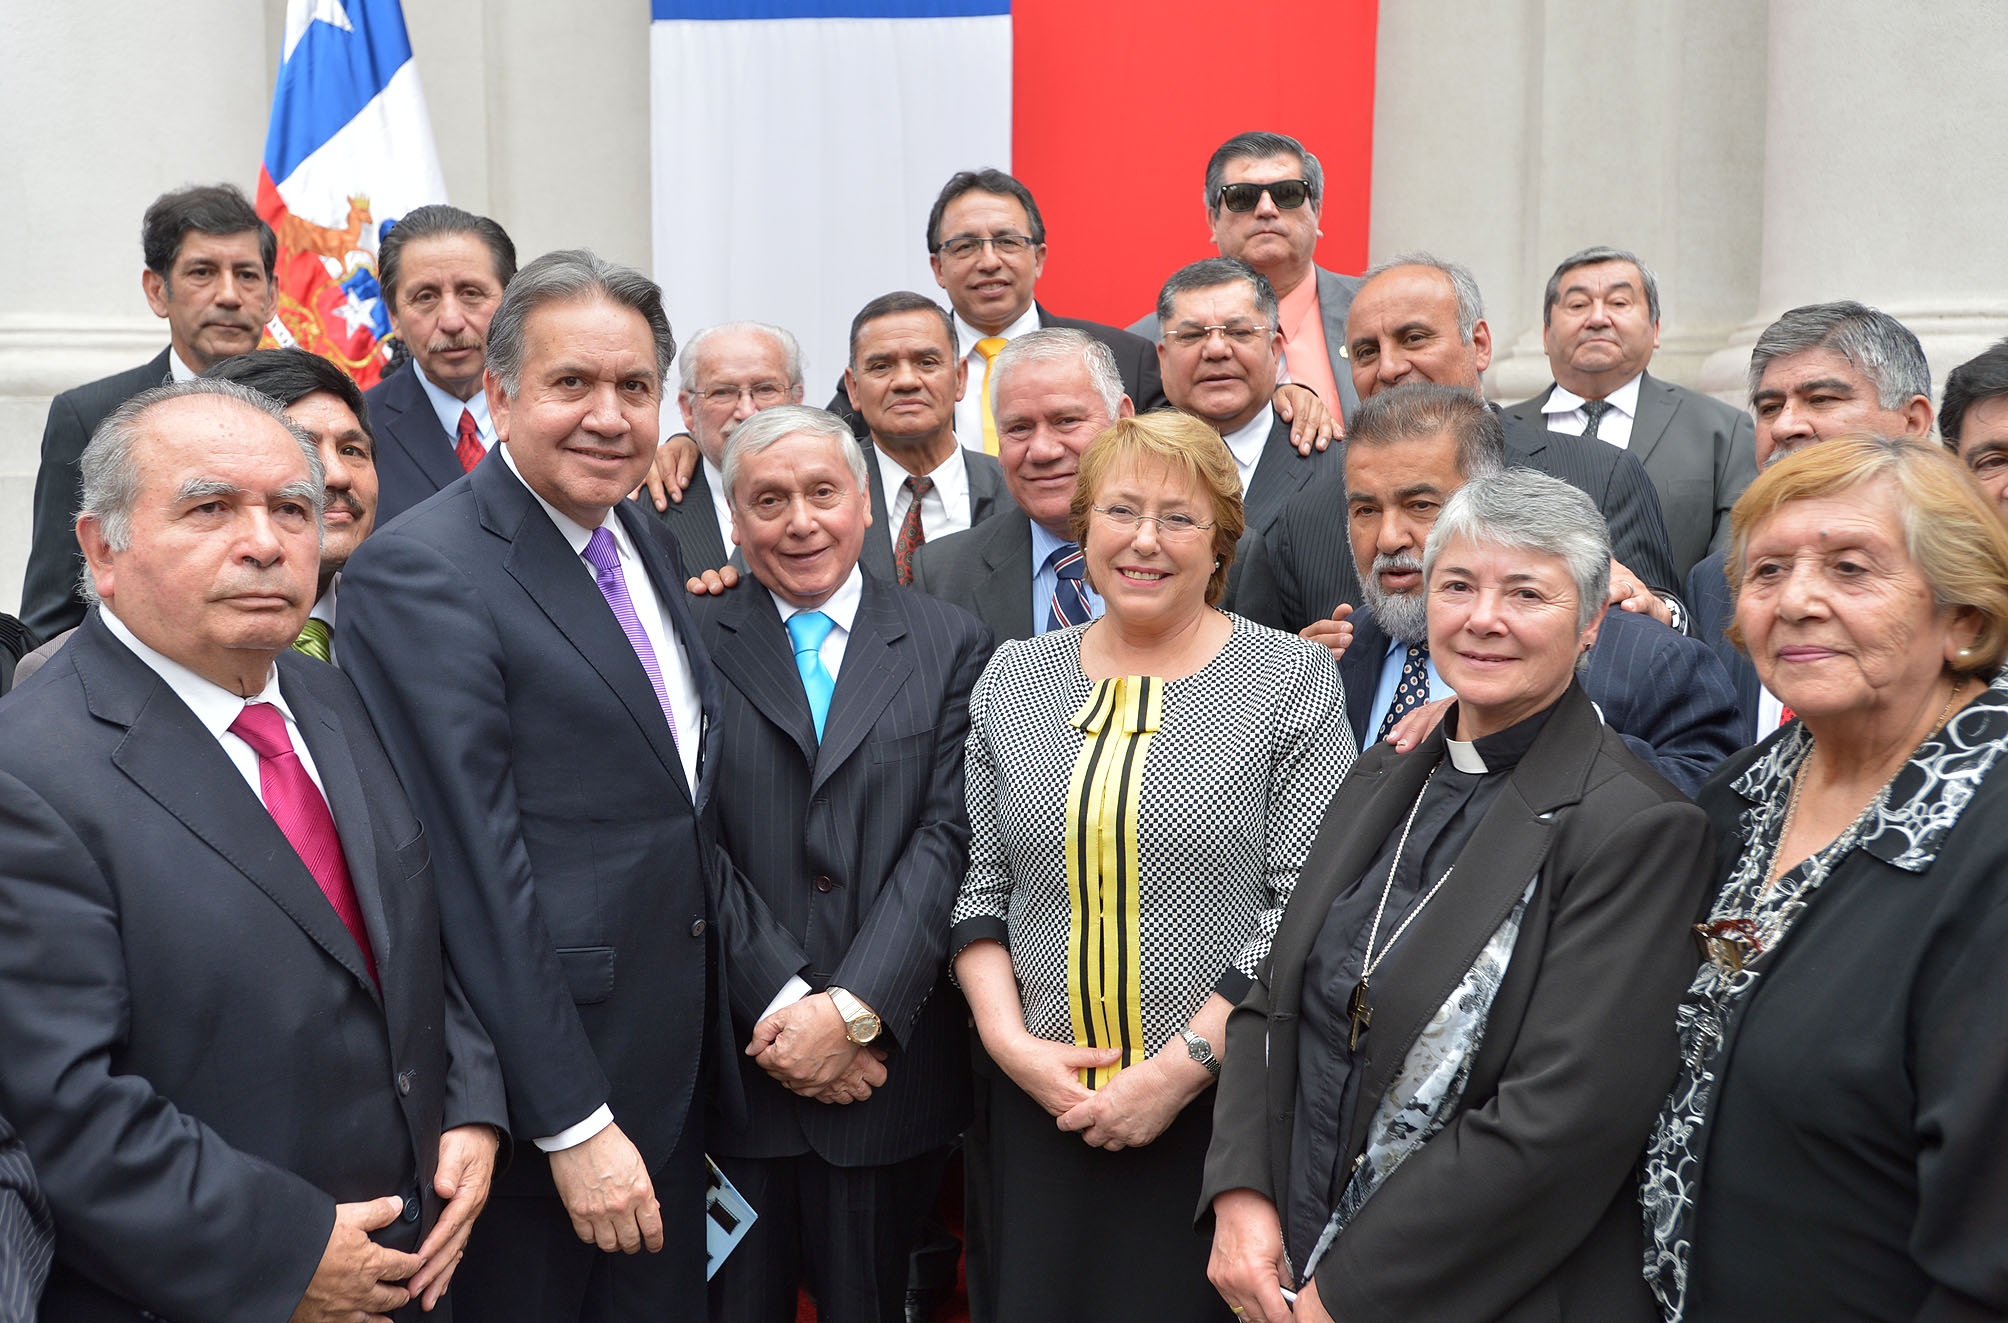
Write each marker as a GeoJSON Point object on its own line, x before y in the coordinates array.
{"type": "Point", "coordinates": [414, 454]}
{"type": "Point", "coordinates": [1713, 612]}
{"type": "Point", "coordinates": [1525, 1206]}
{"type": "Point", "coordinates": [195, 1054]}
{"type": "Point", "coordinates": [576, 858]}
{"type": "Point", "coordinates": [985, 570]}
{"type": "Point", "coordinates": [987, 496]}
{"type": "Point", "coordinates": [1279, 475]}
{"type": "Point", "coordinates": [49, 600]}
{"type": "Point", "coordinates": [700, 544]}
{"type": "Point", "coordinates": [27, 1235]}
{"type": "Point", "coordinates": [1136, 364]}
{"type": "Point", "coordinates": [857, 847]}
{"type": "Point", "coordinates": [1616, 481]}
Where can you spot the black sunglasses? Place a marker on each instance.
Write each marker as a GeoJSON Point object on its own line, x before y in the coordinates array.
{"type": "Point", "coordinates": [1288, 194]}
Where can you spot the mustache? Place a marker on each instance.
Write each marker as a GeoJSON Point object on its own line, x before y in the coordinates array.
{"type": "Point", "coordinates": [341, 500]}
{"type": "Point", "coordinates": [1396, 560]}
{"type": "Point", "coordinates": [446, 343]}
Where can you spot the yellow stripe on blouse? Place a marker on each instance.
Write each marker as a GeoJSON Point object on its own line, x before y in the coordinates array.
{"type": "Point", "coordinates": [1104, 985]}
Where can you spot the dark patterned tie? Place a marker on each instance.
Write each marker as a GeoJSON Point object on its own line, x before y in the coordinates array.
{"type": "Point", "coordinates": [1413, 689]}
{"type": "Point", "coordinates": [911, 534]}
{"type": "Point", "coordinates": [1070, 594]}
{"type": "Point", "coordinates": [1594, 410]}
{"type": "Point", "coordinates": [467, 449]}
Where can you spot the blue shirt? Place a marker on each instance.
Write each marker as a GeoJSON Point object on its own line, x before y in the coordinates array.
{"type": "Point", "coordinates": [1044, 580]}
{"type": "Point", "coordinates": [1390, 680]}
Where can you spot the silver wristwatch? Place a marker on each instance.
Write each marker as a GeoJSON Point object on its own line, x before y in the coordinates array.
{"type": "Point", "coordinates": [1201, 1051]}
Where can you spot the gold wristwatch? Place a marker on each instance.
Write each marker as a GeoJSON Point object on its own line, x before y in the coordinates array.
{"type": "Point", "coordinates": [861, 1022]}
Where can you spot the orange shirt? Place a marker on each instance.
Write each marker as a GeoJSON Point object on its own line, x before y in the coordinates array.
{"type": "Point", "coordinates": [1304, 348]}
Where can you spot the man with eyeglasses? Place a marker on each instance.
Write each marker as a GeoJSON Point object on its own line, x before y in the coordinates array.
{"type": "Point", "coordinates": [1220, 356]}
{"type": "Point", "coordinates": [1264, 193]}
{"type": "Point", "coordinates": [729, 373]}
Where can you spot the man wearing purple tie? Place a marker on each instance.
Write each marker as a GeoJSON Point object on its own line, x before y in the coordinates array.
{"type": "Point", "coordinates": [523, 644]}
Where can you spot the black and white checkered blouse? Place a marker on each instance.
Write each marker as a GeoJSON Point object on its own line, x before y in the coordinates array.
{"type": "Point", "coordinates": [1134, 840]}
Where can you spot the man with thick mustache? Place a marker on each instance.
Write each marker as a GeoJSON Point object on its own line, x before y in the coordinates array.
{"type": "Point", "coordinates": [209, 261]}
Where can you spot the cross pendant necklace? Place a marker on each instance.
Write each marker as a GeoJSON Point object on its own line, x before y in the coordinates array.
{"type": "Point", "coordinates": [1359, 1009]}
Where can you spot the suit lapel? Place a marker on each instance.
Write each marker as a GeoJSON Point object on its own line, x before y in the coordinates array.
{"type": "Point", "coordinates": [877, 554]}
{"type": "Point", "coordinates": [1656, 403]}
{"type": "Point", "coordinates": [1360, 670]}
{"type": "Point", "coordinates": [417, 431]}
{"type": "Point", "coordinates": [873, 671]}
{"type": "Point", "coordinates": [986, 486]}
{"type": "Point", "coordinates": [694, 526]}
{"type": "Point", "coordinates": [1279, 475]}
{"type": "Point", "coordinates": [349, 806]}
{"type": "Point", "coordinates": [1006, 591]}
{"type": "Point", "coordinates": [757, 659]}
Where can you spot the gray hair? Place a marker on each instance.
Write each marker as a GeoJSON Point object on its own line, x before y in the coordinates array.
{"type": "Point", "coordinates": [763, 429]}
{"type": "Point", "coordinates": [1591, 256]}
{"type": "Point", "coordinates": [564, 276]}
{"type": "Point", "coordinates": [1532, 512]}
{"type": "Point", "coordinates": [791, 350]}
{"type": "Point", "coordinates": [1470, 303]}
{"type": "Point", "coordinates": [1058, 344]}
{"type": "Point", "coordinates": [1210, 274]}
{"type": "Point", "coordinates": [1254, 146]}
{"type": "Point", "coordinates": [111, 468]}
{"type": "Point", "coordinates": [1880, 347]}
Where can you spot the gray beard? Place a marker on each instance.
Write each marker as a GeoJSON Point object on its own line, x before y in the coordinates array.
{"type": "Point", "coordinates": [1402, 616]}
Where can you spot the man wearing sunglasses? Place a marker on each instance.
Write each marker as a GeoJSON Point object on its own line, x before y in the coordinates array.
{"type": "Point", "coordinates": [1220, 356]}
{"type": "Point", "coordinates": [1264, 193]}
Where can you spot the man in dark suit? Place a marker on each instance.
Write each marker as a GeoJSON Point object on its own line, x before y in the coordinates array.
{"type": "Point", "coordinates": [523, 644]}
{"type": "Point", "coordinates": [1821, 371]}
{"type": "Point", "coordinates": [1600, 324]}
{"type": "Point", "coordinates": [729, 373]}
{"type": "Point", "coordinates": [1219, 358]}
{"type": "Point", "coordinates": [1973, 419]}
{"type": "Point", "coordinates": [1409, 449]}
{"type": "Point", "coordinates": [839, 724]}
{"type": "Point", "coordinates": [208, 271]}
{"type": "Point", "coordinates": [1264, 193]}
{"type": "Point", "coordinates": [232, 1045]}
{"type": "Point", "coordinates": [904, 380]}
{"type": "Point", "coordinates": [1056, 390]}
{"type": "Point", "coordinates": [443, 271]}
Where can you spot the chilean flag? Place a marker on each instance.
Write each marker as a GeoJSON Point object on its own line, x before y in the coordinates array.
{"type": "Point", "coordinates": [348, 152]}
{"type": "Point", "coordinates": [799, 144]}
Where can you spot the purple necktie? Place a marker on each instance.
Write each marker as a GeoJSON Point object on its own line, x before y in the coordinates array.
{"type": "Point", "coordinates": [605, 558]}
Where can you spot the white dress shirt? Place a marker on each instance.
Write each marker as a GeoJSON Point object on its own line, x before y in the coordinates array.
{"type": "Point", "coordinates": [448, 408]}
{"type": "Point", "coordinates": [969, 409]}
{"type": "Point", "coordinates": [1564, 413]}
{"type": "Point", "coordinates": [945, 508]}
{"type": "Point", "coordinates": [1246, 442]}
{"type": "Point", "coordinates": [216, 707]}
{"type": "Point", "coordinates": [177, 372]}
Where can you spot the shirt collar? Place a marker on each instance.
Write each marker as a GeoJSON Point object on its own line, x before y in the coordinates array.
{"type": "Point", "coordinates": [951, 478]}
{"type": "Point", "coordinates": [177, 371]}
{"type": "Point", "coordinates": [576, 534]}
{"type": "Point", "coordinates": [448, 408]}
{"type": "Point", "coordinates": [840, 606]}
{"type": "Point", "coordinates": [1500, 751]}
{"type": "Point", "coordinates": [1246, 441]}
{"type": "Point", "coordinates": [968, 335]}
{"type": "Point", "coordinates": [324, 605]}
{"type": "Point", "coordinates": [1624, 399]}
{"type": "Point", "coordinates": [1044, 544]}
{"type": "Point", "coordinates": [213, 705]}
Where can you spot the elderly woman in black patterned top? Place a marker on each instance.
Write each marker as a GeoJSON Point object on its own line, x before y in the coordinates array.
{"type": "Point", "coordinates": [1141, 790]}
{"type": "Point", "coordinates": [1833, 1147]}
{"type": "Point", "coordinates": [1436, 1093]}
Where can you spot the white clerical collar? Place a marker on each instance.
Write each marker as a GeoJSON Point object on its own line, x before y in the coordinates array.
{"type": "Point", "coordinates": [840, 606]}
{"type": "Point", "coordinates": [575, 533]}
{"type": "Point", "coordinates": [448, 407]}
{"type": "Point", "coordinates": [1624, 399]}
{"type": "Point", "coordinates": [1464, 755]}
{"type": "Point", "coordinates": [213, 705]}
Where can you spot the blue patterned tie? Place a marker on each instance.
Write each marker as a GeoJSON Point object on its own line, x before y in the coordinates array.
{"type": "Point", "coordinates": [1070, 594]}
{"type": "Point", "coordinates": [1413, 689]}
{"type": "Point", "coordinates": [808, 629]}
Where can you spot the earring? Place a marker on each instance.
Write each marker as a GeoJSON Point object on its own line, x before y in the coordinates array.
{"type": "Point", "coordinates": [1216, 565]}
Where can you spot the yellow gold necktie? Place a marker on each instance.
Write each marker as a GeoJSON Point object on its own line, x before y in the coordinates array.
{"type": "Point", "coordinates": [314, 641]}
{"type": "Point", "coordinates": [988, 347]}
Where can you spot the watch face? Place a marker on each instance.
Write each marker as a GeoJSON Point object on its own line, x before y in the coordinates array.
{"type": "Point", "coordinates": [865, 1028]}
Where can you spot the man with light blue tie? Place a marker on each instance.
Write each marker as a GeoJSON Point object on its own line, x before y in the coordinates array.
{"type": "Point", "coordinates": [839, 726]}
{"type": "Point", "coordinates": [1056, 390]}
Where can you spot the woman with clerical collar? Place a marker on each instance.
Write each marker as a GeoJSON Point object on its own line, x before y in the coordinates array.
{"type": "Point", "coordinates": [1466, 1015]}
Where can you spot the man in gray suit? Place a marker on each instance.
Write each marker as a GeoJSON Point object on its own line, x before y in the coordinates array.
{"type": "Point", "coordinates": [729, 373]}
{"type": "Point", "coordinates": [1600, 324]}
{"type": "Point", "coordinates": [1264, 193]}
{"type": "Point", "coordinates": [840, 724]}
{"type": "Point", "coordinates": [1055, 391]}
{"type": "Point", "coordinates": [905, 376]}
{"type": "Point", "coordinates": [208, 271]}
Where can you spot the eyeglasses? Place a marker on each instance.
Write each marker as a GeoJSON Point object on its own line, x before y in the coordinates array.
{"type": "Point", "coordinates": [965, 247]}
{"type": "Point", "coordinates": [1191, 337]}
{"type": "Point", "coordinates": [766, 394]}
{"type": "Point", "coordinates": [1288, 194]}
{"type": "Point", "coordinates": [1169, 525]}
{"type": "Point", "coordinates": [1730, 943]}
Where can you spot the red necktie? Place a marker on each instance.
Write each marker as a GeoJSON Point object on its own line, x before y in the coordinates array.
{"type": "Point", "coordinates": [296, 805]}
{"type": "Point", "coordinates": [911, 534]}
{"type": "Point", "coordinates": [468, 448]}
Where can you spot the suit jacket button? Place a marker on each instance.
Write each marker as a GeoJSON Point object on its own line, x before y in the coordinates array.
{"type": "Point", "coordinates": [697, 928]}
{"type": "Point", "coordinates": [410, 1213]}
{"type": "Point", "coordinates": [404, 1081]}
{"type": "Point", "coordinates": [823, 883]}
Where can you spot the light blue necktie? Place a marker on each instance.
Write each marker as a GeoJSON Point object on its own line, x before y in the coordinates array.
{"type": "Point", "coordinates": [808, 629]}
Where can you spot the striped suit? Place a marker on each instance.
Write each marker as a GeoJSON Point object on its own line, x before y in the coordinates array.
{"type": "Point", "coordinates": [27, 1237]}
{"type": "Point", "coordinates": [856, 847]}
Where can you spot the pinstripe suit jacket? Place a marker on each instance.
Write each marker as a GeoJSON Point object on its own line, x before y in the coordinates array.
{"type": "Point", "coordinates": [1663, 691]}
{"type": "Point", "coordinates": [856, 848]}
{"type": "Point", "coordinates": [27, 1238]}
{"type": "Point", "coordinates": [1708, 601]}
{"type": "Point", "coordinates": [696, 529]}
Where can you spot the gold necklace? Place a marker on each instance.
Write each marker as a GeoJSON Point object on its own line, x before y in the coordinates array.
{"type": "Point", "coordinates": [1357, 1006]}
